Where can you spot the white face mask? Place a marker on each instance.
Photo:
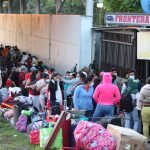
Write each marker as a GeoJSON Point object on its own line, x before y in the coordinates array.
{"type": "Point", "coordinates": [115, 74]}
{"type": "Point", "coordinates": [57, 80]}
{"type": "Point", "coordinates": [46, 72]}
{"type": "Point", "coordinates": [47, 80]}
{"type": "Point", "coordinates": [92, 83]}
{"type": "Point", "coordinates": [132, 77]}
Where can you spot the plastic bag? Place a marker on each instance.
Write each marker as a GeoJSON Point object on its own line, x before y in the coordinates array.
{"type": "Point", "coordinates": [35, 137]}
{"type": "Point", "coordinates": [44, 134]}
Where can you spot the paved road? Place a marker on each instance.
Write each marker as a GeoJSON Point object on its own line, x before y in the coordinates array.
{"type": "Point", "coordinates": [148, 147]}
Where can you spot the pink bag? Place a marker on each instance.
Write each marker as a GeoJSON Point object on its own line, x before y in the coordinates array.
{"type": "Point", "coordinates": [93, 136]}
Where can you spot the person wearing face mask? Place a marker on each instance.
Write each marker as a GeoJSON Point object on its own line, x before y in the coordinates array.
{"type": "Point", "coordinates": [15, 76]}
{"type": "Point", "coordinates": [82, 98]}
{"type": "Point", "coordinates": [132, 86]}
{"type": "Point", "coordinates": [73, 80]}
{"type": "Point", "coordinates": [81, 76]}
{"type": "Point", "coordinates": [106, 96]}
{"type": "Point", "coordinates": [31, 85]}
{"type": "Point", "coordinates": [41, 86]}
{"type": "Point", "coordinates": [66, 76]}
{"type": "Point", "coordinates": [23, 71]}
{"type": "Point", "coordinates": [56, 90]}
{"type": "Point", "coordinates": [115, 78]}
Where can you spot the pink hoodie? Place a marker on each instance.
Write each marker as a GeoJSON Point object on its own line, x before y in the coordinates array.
{"type": "Point", "coordinates": [107, 93]}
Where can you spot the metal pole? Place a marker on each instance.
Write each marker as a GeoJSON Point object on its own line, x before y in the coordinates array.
{"type": "Point", "coordinates": [89, 8]}
{"type": "Point", "coordinates": [37, 5]}
{"type": "Point", "coordinates": [21, 6]}
{"type": "Point", "coordinates": [9, 6]}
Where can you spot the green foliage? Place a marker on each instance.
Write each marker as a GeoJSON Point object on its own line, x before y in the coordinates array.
{"type": "Point", "coordinates": [122, 6]}
{"type": "Point", "coordinates": [5, 6]}
{"type": "Point", "coordinates": [74, 7]}
{"type": "Point", "coordinates": [48, 6]}
{"type": "Point", "coordinates": [30, 6]}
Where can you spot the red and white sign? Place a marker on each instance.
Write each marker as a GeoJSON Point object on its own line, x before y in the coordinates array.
{"type": "Point", "coordinates": [128, 19]}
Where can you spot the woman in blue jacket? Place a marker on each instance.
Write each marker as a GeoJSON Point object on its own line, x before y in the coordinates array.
{"type": "Point", "coordinates": [82, 98]}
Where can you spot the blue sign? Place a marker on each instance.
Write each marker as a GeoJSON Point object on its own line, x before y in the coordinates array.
{"type": "Point", "coordinates": [146, 5]}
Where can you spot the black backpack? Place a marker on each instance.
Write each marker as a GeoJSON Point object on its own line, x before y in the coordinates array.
{"type": "Point", "coordinates": [126, 102]}
{"type": "Point", "coordinates": [56, 109]}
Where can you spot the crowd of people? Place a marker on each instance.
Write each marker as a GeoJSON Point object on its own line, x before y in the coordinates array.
{"type": "Point", "coordinates": [99, 95]}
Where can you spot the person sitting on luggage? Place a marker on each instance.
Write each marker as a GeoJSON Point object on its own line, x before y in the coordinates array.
{"type": "Point", "coordinates": [82, 98]}
{"type": "Point", "coordinates": [106, 96]}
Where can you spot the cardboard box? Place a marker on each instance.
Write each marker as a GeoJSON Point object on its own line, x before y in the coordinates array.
{"type": "Point", "coordinates": [127, 139]}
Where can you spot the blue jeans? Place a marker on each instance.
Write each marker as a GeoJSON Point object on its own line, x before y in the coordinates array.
{"type": "Point", "coordinates": [102, 111]}
{"type": "Point", "coordinates": [128, 118]}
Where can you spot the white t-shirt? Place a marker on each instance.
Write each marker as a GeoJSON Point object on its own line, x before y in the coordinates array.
{"type": "Point", "coordinates": [42, 83]}
{"type": "Point", "coordinates": [58, 94]}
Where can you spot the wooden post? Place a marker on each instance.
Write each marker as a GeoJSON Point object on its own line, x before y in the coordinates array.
{"type": "Point", "coordinates": [55, 131]}
{"type": "Point", "coordinates": [9, 6]}
{"type": "Point", "coordinates": [37, 7]}
{"type": "Point", "coordinates": [21, 6]}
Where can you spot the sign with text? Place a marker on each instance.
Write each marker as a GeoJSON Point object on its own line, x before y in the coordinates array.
{"type": "Point", "coordinates": [126, 19]}
{"type": "Point", "coordinates": [143, 45]}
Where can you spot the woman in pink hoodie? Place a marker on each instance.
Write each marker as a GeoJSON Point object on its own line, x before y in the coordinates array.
{"type": "Point", "coordinates": [105, 95]}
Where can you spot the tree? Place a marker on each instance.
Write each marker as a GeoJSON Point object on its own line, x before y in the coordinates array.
{"type": "Point", "coordinates": [74, 7]}
{"type": "Point", "coordinates": [48, 6]}
{"type": "Point", "coordinates": [122, 6]}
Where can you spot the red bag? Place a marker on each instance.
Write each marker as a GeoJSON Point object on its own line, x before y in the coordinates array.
{"type": "Point", "coordinates": [35, 137]}
{"type": "Point", "coordinates": [66, 132]}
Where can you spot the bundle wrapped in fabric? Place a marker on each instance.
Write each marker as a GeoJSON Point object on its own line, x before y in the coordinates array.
{"type": "Point", "coordinates": [93, 136]}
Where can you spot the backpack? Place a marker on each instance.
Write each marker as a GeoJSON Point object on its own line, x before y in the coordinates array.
{"type": "Point", "coordinates": [93, 136]}
{"type": "Point", "coordinates": [126, 103]}
{"type": "Point", "coordinates": [21, 125]}
{"type": "Point", "coordinates": [56, 109]}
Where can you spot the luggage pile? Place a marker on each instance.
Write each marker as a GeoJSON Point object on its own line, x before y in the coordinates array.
{"type": "Point", "coordinates": [74, 131]}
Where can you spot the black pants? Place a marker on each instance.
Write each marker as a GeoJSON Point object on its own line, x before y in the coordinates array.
{"type": "Point", "coordinates": [70, 101]}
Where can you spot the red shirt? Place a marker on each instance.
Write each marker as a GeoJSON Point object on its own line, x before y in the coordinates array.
{"type": "Point", "coordinates": [21, 79]}
{"type": "Point", "coordinates": [36, 93]}
{"type": "Point", "coordinates": [86, 88]}
{"type": "Point", "coordinates": [27, 76]}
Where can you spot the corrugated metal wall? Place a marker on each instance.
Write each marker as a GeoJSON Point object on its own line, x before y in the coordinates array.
{"type": "Point", "coordinates": [118, 49]}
